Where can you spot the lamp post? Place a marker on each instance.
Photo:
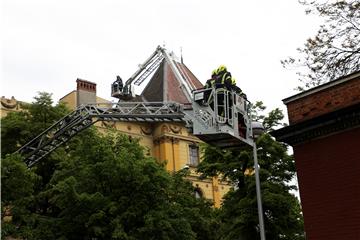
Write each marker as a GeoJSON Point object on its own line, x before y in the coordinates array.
{"type": "Point", "coordinates": [257, 130]}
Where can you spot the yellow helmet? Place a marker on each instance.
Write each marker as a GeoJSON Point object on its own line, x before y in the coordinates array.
{"type": "Point", "coordinates": [221, 68]}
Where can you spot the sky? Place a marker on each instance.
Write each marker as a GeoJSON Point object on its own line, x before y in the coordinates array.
{"type": "Point", "coordinates": [46, 44]}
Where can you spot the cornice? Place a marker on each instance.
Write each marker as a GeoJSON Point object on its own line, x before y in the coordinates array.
{"type": "Point", "coordinates": [328, 124]}
{"type": "Point", "coordinates": [322, 87]}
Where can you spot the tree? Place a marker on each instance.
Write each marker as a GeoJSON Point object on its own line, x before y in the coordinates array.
{"type": "Point", "coordinates": [17, 189]}
{"type": "Point", "coordinates": [238, 214]}
{"type": "Point", "coordinates": [98, 187]}
{"type": "Point", "coordinates": [133, 196]}
{"type": "Point", "coordinates": [20, 127]}
{"type": "Point", "coordinates": [335, 50]}
{"type": "Point", "coordinates": [108, 189]}
{"type": "Point", "coordinates": [270, 121]}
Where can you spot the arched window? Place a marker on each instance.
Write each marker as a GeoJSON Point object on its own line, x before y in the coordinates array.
{"type": "Point", "coordinates": [198, 193]}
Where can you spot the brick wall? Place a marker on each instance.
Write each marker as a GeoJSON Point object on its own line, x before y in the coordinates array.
{"type": "Point", "coordinates": [329, 180]}
{"type": "Point", "coordinates": [85, 92]}
{"type": "Point", "coordinates": [327, 100]}
{"type": "Point", "coordinates": [85, 85]}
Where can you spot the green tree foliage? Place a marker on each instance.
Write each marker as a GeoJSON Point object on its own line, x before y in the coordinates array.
{"type": "Point", "coordinates": [17, 189]}
{"type": "Point", "coordinates": [271, 120]}
{"type": "Point", "coordinates": [238, 214]}
{"type": "Point", "coordinates": [98, 187]}
{"type": "Point", "coordinates": [104, 187]}
{"type": "Point", "coordinates": [19, 127]}
{"type": "Point", "coordinates": [335, 50]}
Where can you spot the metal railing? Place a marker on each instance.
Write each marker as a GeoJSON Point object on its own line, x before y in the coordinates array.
{"type": "Point", "coordinates": [86, 115]}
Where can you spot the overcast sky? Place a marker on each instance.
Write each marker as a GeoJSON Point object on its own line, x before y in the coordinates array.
{"type": "Point", "coordinates": [47, 44]}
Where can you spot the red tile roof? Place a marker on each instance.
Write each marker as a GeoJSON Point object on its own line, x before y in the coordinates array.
{"type": "Point", "coordinates": [165, 86]}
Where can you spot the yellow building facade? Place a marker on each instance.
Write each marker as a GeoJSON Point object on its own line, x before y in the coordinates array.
{"type": "Point", "coordinates": [169, 143]}
{"type": "Point", "coordinates": [10, 105]}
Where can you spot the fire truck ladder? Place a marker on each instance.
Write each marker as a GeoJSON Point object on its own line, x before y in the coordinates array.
{"type": "Point", "coordinates": [224, 123]}
{"type": "Point", "coordinates": [149, 67]}
{"type": "Point", "coordinates": [86, 115]}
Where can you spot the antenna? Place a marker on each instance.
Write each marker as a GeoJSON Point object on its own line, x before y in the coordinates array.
{"type": "Point", "coordinates": [182, 60]}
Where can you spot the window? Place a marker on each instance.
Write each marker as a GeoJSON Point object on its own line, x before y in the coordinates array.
{"type": "Point", "coordinates": [198, 193]}
{"type": "Point", "coordinates": [193, 155]}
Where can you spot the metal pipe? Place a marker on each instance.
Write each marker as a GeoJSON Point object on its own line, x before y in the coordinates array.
{"type": "Point", "coordinates": [258, 193]}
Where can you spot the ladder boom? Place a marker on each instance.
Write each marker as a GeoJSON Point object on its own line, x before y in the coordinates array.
{"type": "Point", "coordinates": [86, 115]}
{"type": "Point", "coordinates": [146, 69]}
{"type": "Point", "coordinates": [217, 116]}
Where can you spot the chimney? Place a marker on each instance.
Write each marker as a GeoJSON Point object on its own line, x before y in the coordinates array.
{"type": "Point", "coordinates": [85, 92]}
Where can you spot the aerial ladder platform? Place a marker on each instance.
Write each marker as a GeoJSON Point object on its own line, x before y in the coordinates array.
{"type": "Point", "coordinates": [215, 115]}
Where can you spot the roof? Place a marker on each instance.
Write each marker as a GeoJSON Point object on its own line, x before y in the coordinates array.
{"type": "Point", "coordinates": [74, 91]}
{"type": "Point", "coordinates": [322, 87]}
{"type": "Point", "coordinates": [329, 123]}
{"type": "Point", "coordinates": [165, 86]}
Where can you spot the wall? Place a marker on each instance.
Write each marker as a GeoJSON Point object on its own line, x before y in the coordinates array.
{"type": "Point", "coordinates": [167, 142]}
{"type": "Point", "coordinates": [86, 92]}
{"type": "Point", "coordinates": [327, 100]}
{"type": "Point", "coordinates": [328, 173]}
{"type": "Point", "coordinates": [170, 143]}
{"type": "Point", "coordinates": [164, 141]}
{"type": "Point", "coordinates": [324, 131]}
{"type": "Point", "coordinates": [69, 100]}
{"type": "Point", "coordinates": [9, 105]}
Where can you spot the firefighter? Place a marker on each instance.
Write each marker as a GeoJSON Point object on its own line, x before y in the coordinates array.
{"type": "Point", "coordinates": [234, 87]}
{"type": "Point", "coordinates": [222, 77]}
{"type": "Point", "coordinates": [227, 81]}
{"type": "Point", "coordinates": [233, 82]}
{"type": "Point", "coordinates": [120, 82]}
{"type": "Point", "coordinates": [209, 85]}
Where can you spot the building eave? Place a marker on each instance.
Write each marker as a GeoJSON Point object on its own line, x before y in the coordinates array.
{"type": "Point", "coordinates": [322, 87]}
{"type": "Point", "coordinates": [330, 123]}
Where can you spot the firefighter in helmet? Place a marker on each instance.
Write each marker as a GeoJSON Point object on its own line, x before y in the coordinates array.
{"type": "Point", "coordinates": [210, 83]}
{"type": "Point", "coordinates": [222, 77]}
{"type": "Point", "coordinates": [222, 80]}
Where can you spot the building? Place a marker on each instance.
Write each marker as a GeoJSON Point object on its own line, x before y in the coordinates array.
{"type": "Point", "coordinates": [10, 105]}
{"type": "Point", "coordinates": [169, 142]}
{"type": "Point", "coordinates": [324, 131]}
